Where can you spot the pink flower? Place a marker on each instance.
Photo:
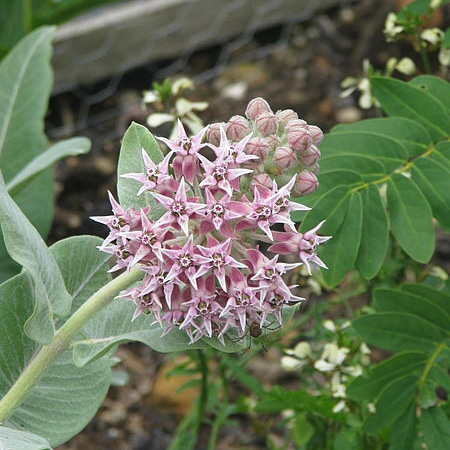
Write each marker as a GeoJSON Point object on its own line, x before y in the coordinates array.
{"type": "Point", "coordinates": [186, 150]}
{"type": "Point", "coordinates": [155, 174]}
{"type": "Point", "coordinates": [180, 209]}
{"type": "Point", "coordinates": [219, 211]}
{"type": "Point", "coordinates": [184, 262]}
{"type": "Point", "coordinates": [216, 257]}
{"type": "Point", "coordinates": [304, 245]}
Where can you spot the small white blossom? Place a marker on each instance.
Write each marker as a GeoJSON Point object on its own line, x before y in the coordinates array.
{"type": "Point", "coordinates": [406, 66]}
{"type": "Point", "coordinates": [329, 325]}
{"type": "Point", "coordinates": [302, 350]}
{"type": "Point", "coordinates": [444, 56]}
{"type": "Point", "coordinates": [432, 35]}
{"type": "Point", "coordinates": [339, 406]}
{"type": "Point", "coordinates": [290, 363]}
{"type": "Point", "coordinates": [391, 28]}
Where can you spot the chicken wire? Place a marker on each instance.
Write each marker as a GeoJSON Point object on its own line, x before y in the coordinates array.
{"type": "Point", "coordinates": [86, 106]}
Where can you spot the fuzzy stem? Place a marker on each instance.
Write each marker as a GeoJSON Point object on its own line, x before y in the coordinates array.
{"type": "Point", "coordinates": [62, 338]}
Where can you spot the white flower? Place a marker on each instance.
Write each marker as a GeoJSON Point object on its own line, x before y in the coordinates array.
{"type": "Point", "coordinates": [339, 406]}
{"type": "Point", "coordinates": [371, 408]}
{"type": "Point", "coordinates": [329, 325]}
{"type": "Point", "coordinates": [444, 56]}
{"type": "Point", "coordinates": [435, 4]}
{"type": "Point", "coordinates": [181, 84]}
{"type": "Point", "coordinates": [290, 363]}
{"type": "Point", "coordinates": [333, 354]}
{"type": "Point", "coordinates": [354, 371]}
{"type": "Point", "coordinates": [302, 350]}
{"type": "Point", "coordinates": [337, 388]}
{"type": "Point", "coordinates": [391, 28]}
{"type": "Point", "coordinates": [157, 119]}
{"type": "Point", "coordinates": [323, 366]}
{"type": "Point", "coordinates": [432, 35]}
{"type": "Point", "coordinates": [406, 66]}
{"type": "Point", "coordinates": [150, 96]}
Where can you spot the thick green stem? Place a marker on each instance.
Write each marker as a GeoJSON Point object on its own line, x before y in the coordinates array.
{"type": "Point", "coordinates": [39, 364]}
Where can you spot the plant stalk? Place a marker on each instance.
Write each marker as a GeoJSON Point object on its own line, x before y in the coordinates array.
{"type": "Point", "coordinates": [62, 338]}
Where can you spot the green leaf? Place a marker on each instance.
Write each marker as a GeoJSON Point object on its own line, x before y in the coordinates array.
{"type": "Point", "coordinates": [348, 440]}
{"type": "Point", "coordinates": [393, 401]}
{"type": "Point", "coordinates": [397, 332]}
{"type": "Point", "coordinates": [435, 86]}
{"type": "Point", "coordinates": [369, 388]}
{"type": "Point", "coordinates": [84, 268]}
{"type": "Point", "coordinates": [20, 440]}
{"type": "Point", "coordinates": [26, 247]}
{"type": "Point", "coordinates": [303, 430]}
{"type": "Point", "coordinates": [366, 166]}
{"type": "Point", "coordinates": [438, 298]}
{"type": "Point", "coordinates": [374, 234]}
{"type": "Point", "coordinates": [113, 326]}
{"type": "Point", "coordinates": [398, 98]}
{"type": "Point", "coordinates": [411, 218]}
{"type": "Point", "coordinates": [436, 428]}
{"type": "Point", "coordinates": [404, 429]}
{"type": "Point", "coordinates": [433, 179]}
{"type": "Point", "coordinates": [340, 252]}
{"type": "Point", "coordinates": [73, 146]}
{"type": "Point", "coordinates": [135, 139]}
{"type": "Point", "coordinates": [26, 80]}
{"type": "Point", "coordinates": [390, 152]}
{"type": "Point", "coordinates": [441, 154]}
{"type": "Point", "coordinates": [396, 301]}
{"type": "Point", "coordinates": [409, 132]}
{"type": "Point", "coordinates": [65, 398]}
{"type": "Point", "coordinates": [330, 207]}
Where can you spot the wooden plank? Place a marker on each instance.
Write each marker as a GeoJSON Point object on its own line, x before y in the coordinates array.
{"type": "Point", "coordinates": [130, 34]}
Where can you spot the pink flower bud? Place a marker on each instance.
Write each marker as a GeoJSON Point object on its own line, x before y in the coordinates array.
{"type": "Point", "coordinates": [267, 123]}
{"type": "Point", "coordinates": [316, 134]}
{"type": "Point", "coordinates": [255, 107]}
{"type": "Point", "coordinates": [296, 123]}
{"type": "Point", "coordinates": [237, 128]}
{"type": "Point", "coordinates": [315, 168]}
{"type": "Point", "coordinates": [284, 157]}
{"type": "Point", "coordinates": [285, 116]}
{"type": "Point", "coordinates": [299, 137]}
{"type": "Point", "coordinates": [310, 156]}
{"type": "Point", "coordinates": [272, 140]}
{"type": "Point", "coordinates": [306, 183]}
{"type": "Point", "coordinates": [257, 146]}
{"type": "Point", "coordinates": [263, 179]}
{"type": "Point", "coordinates": [213, 133]}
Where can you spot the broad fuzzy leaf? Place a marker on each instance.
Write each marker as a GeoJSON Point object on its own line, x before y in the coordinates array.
{"type": "Point", "coordinates": [68, 147]}
{"type": "Point", "coordinates": [398, 332]}
{"type": "Point", "coordinates": [65, 398]}
{"type": "Point", "coordinates": [135, 139]}
{"type": "Point", "coordinates": [411, 218]}
{"type": "Point", "coordinates": [26, 247]}
{"type": "Point", "coordinates": [374, 234]}
{"type": "Point", "coordinates": [398, 98]}
{"type": "Point", "coordinates": [20, 440]}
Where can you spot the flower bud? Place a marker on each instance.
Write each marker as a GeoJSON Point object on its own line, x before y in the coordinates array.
{"type": "Point", "coordinates": [296, 123]}
{"type": "Point", "coordinates": [263, 179]}
{"type": "Point", "coordinates": [213, 133]}
{"type": "Point", "coordinates": [257, 146]}
{"type": "Point", "coordinates": [267, 123]}
{"type": "Point", "coordinates": [315, 168]}
{"type": "Point", "coordinates": [256, 107]}
{"type": "Point", "coordinates": [316, 134]}
{"type": "Point", "coordinates": [284, 157]}
{"type": "Point", "coordinates": [299, 137]}
{"type": "Point", "coordinates": [310, 156]}
{"type": "Point", "coordinates": [306, 183]}
{"type": "Point", "coordinates": [285, 116]}
{"type": "Point", "coordinates": [237, 128]}
{"type": "Point", "coordinates": [272, 140]}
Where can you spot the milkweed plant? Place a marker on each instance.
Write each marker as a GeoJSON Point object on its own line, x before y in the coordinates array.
{"type": "Point", "coordinates": [211, 238]}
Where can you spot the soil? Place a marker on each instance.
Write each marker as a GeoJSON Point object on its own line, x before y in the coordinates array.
{"type": "Point", "coordinates": [305, 75]}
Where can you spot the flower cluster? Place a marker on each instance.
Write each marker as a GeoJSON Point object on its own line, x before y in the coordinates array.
{"type": "Point", "coordinates": [339, 364]}
{"type": "Point", "coordinates": [203, 270]}
{"type": "Point", "coordinates": [283, 145]}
